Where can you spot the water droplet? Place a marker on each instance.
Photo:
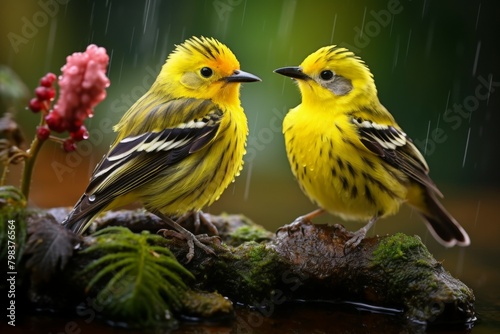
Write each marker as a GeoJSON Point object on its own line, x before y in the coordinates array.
{"type": "Point", "coordinates": [91, 198]}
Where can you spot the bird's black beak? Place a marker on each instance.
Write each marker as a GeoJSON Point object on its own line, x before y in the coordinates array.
{"type": "Point", "coordinates": [241, 76]}
{"type": "Point", "coordinates": [294, 72]}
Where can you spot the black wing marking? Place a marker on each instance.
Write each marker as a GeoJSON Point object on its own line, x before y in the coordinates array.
{"type": "Point", "coordinates": [395, 148]}
{"type": "Point", "coordinates": [134, 160]}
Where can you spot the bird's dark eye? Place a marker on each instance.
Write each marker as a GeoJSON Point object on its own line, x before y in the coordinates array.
{"type": "Point", "coordinates": [326, 75]}
{"type": "Point", "coordinates": [206, 72]}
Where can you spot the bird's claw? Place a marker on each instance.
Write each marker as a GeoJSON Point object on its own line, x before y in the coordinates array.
{"type": "Point", "coordinates": [355, 240]}
{"type": "Point", "coordinates": [199, 218]}
{"type": "Point", "coordinates": [296, 225]}
{"type": "Point", "coordinates": [192, 241]}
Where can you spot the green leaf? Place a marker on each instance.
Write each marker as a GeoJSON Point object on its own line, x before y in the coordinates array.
{"type": "Point", "coordinates": [49, 247]}
{"type": "Point", "coordinates": [134, 276]}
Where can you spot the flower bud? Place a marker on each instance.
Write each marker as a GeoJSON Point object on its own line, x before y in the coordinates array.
{"type": "Point", "coordinates": [69, 145]}
{"type": "Point", "coordinates": [80, 134]}
{"type": "Point", "coordinates": [42, 132]}
{"type": "Point", "coordinates": [48, 80]}
{"type": "Point", "coordinates": [35, 105]}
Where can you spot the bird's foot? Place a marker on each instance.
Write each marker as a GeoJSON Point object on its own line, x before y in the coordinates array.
{"type": "Point", "coordinates": [192, 241]}
{"type": "Point", "coordinates": [199, 218]}
{"type": "Point", "coordinates": [293, 227]}
{"type": "Point", "coordinates": [296, 225]}
{"type": "Point", "coordinates": [356, 239]}
{"type": "Point", "coordinates": [181, 233]}
{"type": "Point", "coordinates": [359, 235]}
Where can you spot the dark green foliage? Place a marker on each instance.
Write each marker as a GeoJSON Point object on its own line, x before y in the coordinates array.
{"type": "Point", "coordinates": [134, 276]}
{"type": "Point", "coordinates": [12, 223]}
{"type": "Point", "coordinates": [49, 246]}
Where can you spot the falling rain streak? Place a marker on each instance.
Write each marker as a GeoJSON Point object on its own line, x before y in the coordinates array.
{"type": "Point", "coordinates": [91, 21]}
{"type": "Point", "coordinates": [121, 70]}
{"type": "Point", "coordinates": [408, 45]}
{"type": "Point", "coordinates": [447, 101]}
{"type": "Point", "coordinates": [107, 20]}
{"type": "Point", "coordinates": [427, 137]}
{"type": "Point", "coordinates": [50, 43]}
{"type": "Point", "coordinates": [110, 60]}
{"type": "Point", "coordinates": [392, 25]}
{"type": "Point", "coordinates": [477, 213]}
{"type": "Point", "coordinates": [466, 148]}
{"type": "Point", "coordinates": [246, 192]}
{"type": "Point", "coordinates": [146, 15]}
{"type": "Point", "coordinates": [396, 54]}
{"type": "Point", "coordinates": [244, 12]}
{"type": "Point", "coordinates": [363, 24]}
{"type": "Point", "coordinates": [333, 28]}
{"type": "Point", "coordinates": [478, 12]}
{"type": "Point", "coordinates": [478, 49]}
{"type": "Point", "coordinates": [286, 21]}
{"type": "Point", "coordinates": [132, 39]}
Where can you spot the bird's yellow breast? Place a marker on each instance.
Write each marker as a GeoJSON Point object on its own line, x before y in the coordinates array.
{"type": "Point", "coordinates": [333, 167]}
{"type": "Point", "coordinates": [212, 169]}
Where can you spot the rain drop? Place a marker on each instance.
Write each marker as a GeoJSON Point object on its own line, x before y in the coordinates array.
{"type": "Point", "coordinates": [91, 198]}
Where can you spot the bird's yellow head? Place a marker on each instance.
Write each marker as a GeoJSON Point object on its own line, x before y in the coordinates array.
{"type": "Point", "coordinates": [332, 74]}
{"type": "Point", "coordinates": [203, 68]}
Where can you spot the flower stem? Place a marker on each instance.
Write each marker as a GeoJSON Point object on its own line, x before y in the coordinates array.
{"type": "Point", "coordinates": [29, 163]}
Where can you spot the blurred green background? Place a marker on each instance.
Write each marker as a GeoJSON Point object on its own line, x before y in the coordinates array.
{"type": "Point", "coordinates": [434, 63]}
{"type": "Point", "coordinates": [427, 57]}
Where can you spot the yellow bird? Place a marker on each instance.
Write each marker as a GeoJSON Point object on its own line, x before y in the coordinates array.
{"type": "Point", "coordinates": [349, 155]}
{"type": "Point", "coordinates": [179, 146]}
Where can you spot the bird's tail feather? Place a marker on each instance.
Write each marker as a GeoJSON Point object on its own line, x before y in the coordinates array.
{"type": "Point", "coordinates": [441, 224]}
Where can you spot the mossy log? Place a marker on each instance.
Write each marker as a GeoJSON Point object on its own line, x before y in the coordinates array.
{"type": "Point", "coordinates": [260, 268]}
{"type": "Point", "coordinates": [308, 262]}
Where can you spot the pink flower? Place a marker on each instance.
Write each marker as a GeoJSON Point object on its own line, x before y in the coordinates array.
{"type": "Point", "coordinates": [82, 85]}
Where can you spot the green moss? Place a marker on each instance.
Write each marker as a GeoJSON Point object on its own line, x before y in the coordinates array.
{"type": "Point", "coordinates": [258, 252]}
{"type": "Point", "coordinates": [256, 269]}
{"type": "Point", "coordinates": [249, 272]}
{"type": "Point", "coordinates": [399, 247]}
{"type": "Point", "coordinates": [206, 304]}
{"type": "Point", "coordinates": [413, 278]}
{"type": "Point", "coordinates": [402, 251]}
{"type": "Point", "coordinates": [248, 233]}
